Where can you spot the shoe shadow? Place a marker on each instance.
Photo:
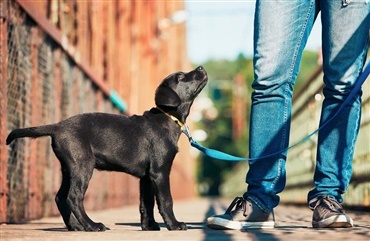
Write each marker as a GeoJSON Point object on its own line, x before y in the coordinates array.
{"type": "Point", "coordinates": [290, 226]}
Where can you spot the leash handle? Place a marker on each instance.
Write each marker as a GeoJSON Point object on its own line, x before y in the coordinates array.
{"type": "Point", "coordinates": [227, 157]}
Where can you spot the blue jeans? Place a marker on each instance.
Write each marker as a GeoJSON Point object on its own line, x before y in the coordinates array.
{"type": "Point", "coordinates": [281, 32]}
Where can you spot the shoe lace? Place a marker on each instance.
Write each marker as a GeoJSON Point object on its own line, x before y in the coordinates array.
{"type": "Point", "coordinates": [238, 203]}
{"type": "Point", "coordinates": [332, 204]}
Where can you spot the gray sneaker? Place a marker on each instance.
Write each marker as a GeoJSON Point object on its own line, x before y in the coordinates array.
{"type": "Point", "coordinates": [328, 213]}
{"type": "Point", "coordinates": [242, 214]}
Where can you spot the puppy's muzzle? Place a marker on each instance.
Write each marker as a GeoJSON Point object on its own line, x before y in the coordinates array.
{"type": "Point", "coordinates": [200, 74]}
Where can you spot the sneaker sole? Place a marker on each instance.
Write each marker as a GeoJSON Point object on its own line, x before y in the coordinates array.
{"type": "Point", "coordinates": [221, 224]}
{"type": "Point", "coordinates": [340, 221]}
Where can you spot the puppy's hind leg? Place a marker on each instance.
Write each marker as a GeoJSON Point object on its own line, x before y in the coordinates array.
{"type": "Point", "coordinates": [147, 205]}
{"type": "Point", "coordinates": [61, 201]}
{"type": "Point", "coordinates": [80, 177]}
{"type": "Point", "coordinates": [78, 164]}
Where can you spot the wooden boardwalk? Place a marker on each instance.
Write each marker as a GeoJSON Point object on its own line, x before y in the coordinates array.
{"type": "Point", "coordinates": [293, 223]}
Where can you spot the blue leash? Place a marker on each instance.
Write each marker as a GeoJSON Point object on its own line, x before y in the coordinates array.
{"type": "Point", "coordinates": [227, 157]}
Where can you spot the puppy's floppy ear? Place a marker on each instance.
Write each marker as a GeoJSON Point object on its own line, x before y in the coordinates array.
{"type": "Point", "coordinates": [165, 96]}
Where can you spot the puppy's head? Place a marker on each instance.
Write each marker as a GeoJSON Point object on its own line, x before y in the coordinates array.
{"type": "Point", "coordinates": [177, 92]}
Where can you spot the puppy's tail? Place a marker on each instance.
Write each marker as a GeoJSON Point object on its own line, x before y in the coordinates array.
{"type": "Point", "coordinates": [34, 132]}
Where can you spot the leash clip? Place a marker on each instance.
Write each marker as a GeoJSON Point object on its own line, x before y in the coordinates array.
{"type": "Point", "coordinates": [186, 131]}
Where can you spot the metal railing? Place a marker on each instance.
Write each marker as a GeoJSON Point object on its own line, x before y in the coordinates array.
{"type": "Point", "coordinates": [301, 159]}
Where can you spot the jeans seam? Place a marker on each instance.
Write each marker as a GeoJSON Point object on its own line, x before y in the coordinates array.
{"type": "Point", "coordinates": [292, 66]}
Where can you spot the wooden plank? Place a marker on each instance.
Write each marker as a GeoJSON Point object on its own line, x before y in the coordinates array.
{"type": "Point", "coordinates": [57, 180]}
{"type": "Point", "coordinates": [83, 35]}
{"type": "Point", "coordinates": [124, 32]}
{"type": "Point", "coordinates": [97, 54]}
{"type": "Point", "coordinates": [34, 193]}
{"type": "Point", "coordinates": [3, 116]}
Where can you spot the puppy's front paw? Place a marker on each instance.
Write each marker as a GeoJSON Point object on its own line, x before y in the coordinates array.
{"type": "Point", "coordinates": [177, 226]}
{"type": "Point", "coordinates": [97, 227]}
{"type": "Point", "coordinates": [151, 225]}
{"type": "Point", "coordinates": [75, 227]}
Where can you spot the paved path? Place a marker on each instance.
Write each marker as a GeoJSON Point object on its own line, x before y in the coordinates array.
{"type": "Point", "coordinates": [293, 223]}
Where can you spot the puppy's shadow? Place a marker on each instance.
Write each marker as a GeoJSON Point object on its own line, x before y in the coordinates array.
{"type": "Point", "coordinates": [190, 225]}
{"type": "Point", "coordinates": [131, 224]}
{"type": "Point", "coordinates": [61, 229]}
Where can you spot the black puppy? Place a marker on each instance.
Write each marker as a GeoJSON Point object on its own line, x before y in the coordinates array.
{"type": "Point", "coordinates": [143, 146]}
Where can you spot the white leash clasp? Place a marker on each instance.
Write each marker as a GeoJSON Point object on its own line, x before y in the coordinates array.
{"type": "Point", "coordinates": [186, 131]}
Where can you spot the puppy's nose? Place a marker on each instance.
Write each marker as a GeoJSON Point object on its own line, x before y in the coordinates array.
{"type": "Point", "coordinates": [201, 70]}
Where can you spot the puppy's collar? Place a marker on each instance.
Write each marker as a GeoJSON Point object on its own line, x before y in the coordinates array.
{"type": "Point", "coordinates": [172, 117]}
{"type": "Point", "coordinates": [184, 127]}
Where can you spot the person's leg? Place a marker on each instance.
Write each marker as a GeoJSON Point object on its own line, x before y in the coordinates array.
{"type": "Point", "coordinates": [281, 32]}
{"type": "Point", "coordinates": [345, 32]}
